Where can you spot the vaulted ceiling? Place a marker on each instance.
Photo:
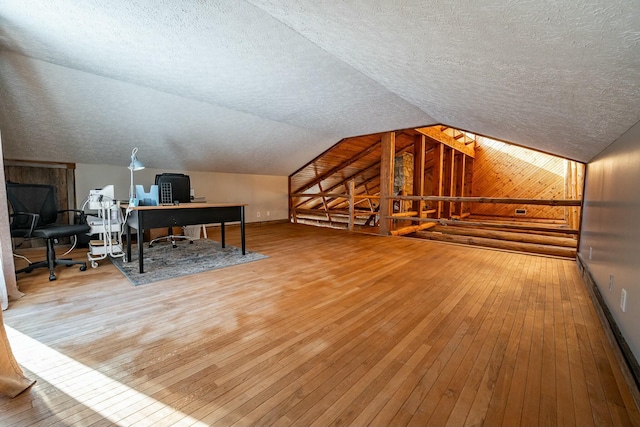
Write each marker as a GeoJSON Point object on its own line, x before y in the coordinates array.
{"type": "Point", "coordinates": [264, 86]}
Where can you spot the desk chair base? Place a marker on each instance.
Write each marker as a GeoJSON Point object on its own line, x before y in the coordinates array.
{"type": "Point", "coordinates": [51, 263]}
{"type": "Point", "coordinates": [171, 238]}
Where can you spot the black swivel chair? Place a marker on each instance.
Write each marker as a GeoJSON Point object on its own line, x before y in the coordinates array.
{"type": "Point", "coordinates": [34, 215]}
{"type": "Point", "coordinates": [173, 187]}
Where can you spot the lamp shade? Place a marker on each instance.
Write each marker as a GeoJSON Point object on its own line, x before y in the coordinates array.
{"type": "Point", "coordinates": [135, 164]}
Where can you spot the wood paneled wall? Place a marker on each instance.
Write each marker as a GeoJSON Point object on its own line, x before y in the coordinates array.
{"type": "Point", "coordinates": [503, 170]}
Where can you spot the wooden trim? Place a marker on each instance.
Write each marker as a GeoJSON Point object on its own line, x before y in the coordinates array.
{"type": "Point", "coordinates": [39, 164]}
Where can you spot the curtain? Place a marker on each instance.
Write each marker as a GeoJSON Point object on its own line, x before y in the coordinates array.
{"type": "Point", "coordinates": [12, 380]}
{"type": "Point", "coordinates": [8, 285]}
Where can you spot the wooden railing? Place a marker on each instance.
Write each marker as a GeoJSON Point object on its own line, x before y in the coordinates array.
{"type": "Point", "coordinates": [422, 217]}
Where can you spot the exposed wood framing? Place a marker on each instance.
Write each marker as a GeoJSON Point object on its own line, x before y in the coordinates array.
{"type": "Point", "coordinates": [504, 200]}
{"type": "Point", "coordinates": [445, 139]}
{"type": "Point", "coordinates": [449, 166]}
{"type": "Point", "coordinates": [418, 170]}
{"type": "Point", "coordinates": [324, 203]}
{"type": "Point", "coordinates": [375, 166]}
{"type": "Point", "coordinates": [386, 180]}
{"type": "Point", "coordinates": [412, 229]}
{"type": "Point", "coordinates": [501, 244]}
{"type": "Point", "coordinates": [352, 204]}
{"type": "Point", "coordinates": [439, 177]}
{"type": "Point", "coordinates": [507, 226]}
{"type": "Point", "coordinates": [541, 239]}
{"type": "Point", "coordinates": [338, 168]}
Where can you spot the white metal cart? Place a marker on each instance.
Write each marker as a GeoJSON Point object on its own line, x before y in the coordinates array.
{"type": "Point", "coordinates": [107, 224]}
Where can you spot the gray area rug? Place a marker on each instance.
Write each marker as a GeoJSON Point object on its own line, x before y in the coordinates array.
{"type": "Point", "coordinates": [164, 262]}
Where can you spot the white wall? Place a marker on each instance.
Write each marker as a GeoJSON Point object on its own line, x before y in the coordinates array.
{"type": "Point", "coordinates": [611, 230]}
{"type": "Point", "coordinates": [264, 194]}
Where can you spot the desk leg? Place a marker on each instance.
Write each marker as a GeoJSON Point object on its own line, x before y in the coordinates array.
{"type": "Point", "coordinates": [140, 246]}
{"type": "Point", "coordinates": [128, 243]}
{"type": "Point", "coordinates": [222, 234]}
{"type": "Point", "coordinates": [242, 229]}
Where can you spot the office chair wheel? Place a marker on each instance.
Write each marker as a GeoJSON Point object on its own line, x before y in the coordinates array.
{"type": "Point", "coordinates": [191, 242]}
{"type": "Point", "coordinates": [150, 245]}
{"type": "Point", "coordinates": [83, 267]}
{"type": "Point", "coordinates": [174, 246]}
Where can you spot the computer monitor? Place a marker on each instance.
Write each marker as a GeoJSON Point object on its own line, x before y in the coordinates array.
{"type": "Point", "coordinates": [173, 187]}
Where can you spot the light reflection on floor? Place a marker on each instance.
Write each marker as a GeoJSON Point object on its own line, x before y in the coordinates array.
{"type": "Point", "coordinates": [110, 399]}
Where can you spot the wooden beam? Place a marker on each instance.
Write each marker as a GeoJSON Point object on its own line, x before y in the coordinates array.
{"type": "Point", "coordinates": [324, 203]}
{"type": "Point", "coordinates": [386, 180]}
{"type": "Point", "coordinates": [352, 205]}
{"type": "Point", "coordinates": [412, 229]}
{"type": "Point", "coordinates": [292, 208]}
{"type": "Point", "coordinates": [342, 212]}
{"type": "Point", "coordinates": [448, 180]}
{"type": "Point", "coordinates": [508, 226]}
{"type": "Point", "coordinates": [404, 214]}
{"type": "Point", "coordinates": [321, 194]}
{"type": "Point", "coordinates": [502, 200]}
{"type": "Point", "coordinates": [569, 242]}
{"type": "Point", "coordinates": [435, 134]}
{"type": "Point", "coordinates": [418, 170]}
{"type": "Point", "coordinates": [439, 176]}
{"type": "Point", "coordinates": [501, 244]}
{"type": "Point", "coordinates": [460, 183]}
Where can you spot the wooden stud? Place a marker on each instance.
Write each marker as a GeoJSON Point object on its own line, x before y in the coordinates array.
{"type": "Point", "coordinates": [352, 204]}
{"type": "Point", "coordinates": [439, 176]}
{"type": "Point", "coordinates": [418, 171]}
{"type": "Point", "coordinates": [386, 180]}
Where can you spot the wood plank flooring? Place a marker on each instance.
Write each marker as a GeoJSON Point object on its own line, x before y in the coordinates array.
{"type": "Point", "coordinates": [334, 328]}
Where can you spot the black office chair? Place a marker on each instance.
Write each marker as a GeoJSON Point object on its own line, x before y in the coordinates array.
{"type": "Point", "coordinates": [34, 215]}
{"type": "Point", "coordinates": [173, 187]}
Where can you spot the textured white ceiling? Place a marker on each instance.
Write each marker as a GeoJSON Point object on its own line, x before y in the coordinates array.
{"type": "Point", "coordinates": [262, 86]}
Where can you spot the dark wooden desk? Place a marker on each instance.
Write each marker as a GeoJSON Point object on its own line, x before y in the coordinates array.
{"type": "Point", "coordinates": [145, 217]}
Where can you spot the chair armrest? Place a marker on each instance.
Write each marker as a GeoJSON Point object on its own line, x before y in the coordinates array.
{"type": "Point", "coordinates": [30, 223]}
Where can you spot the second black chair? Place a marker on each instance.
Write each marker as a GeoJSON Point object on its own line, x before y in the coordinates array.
{"type": "Point", "coordinates": [35, 212]}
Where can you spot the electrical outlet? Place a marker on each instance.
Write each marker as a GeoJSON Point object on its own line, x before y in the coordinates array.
{"type": "Point", "coordinates": [590, 252]}
{"type": "Point", "coordinates": [623, 300]}
{"type": "Point", "coordinates": [610, 282]}
{"type": "Point", "coordinates": [258, 214]}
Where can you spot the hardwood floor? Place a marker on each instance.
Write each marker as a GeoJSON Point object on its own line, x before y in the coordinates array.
{"type": "Point", "coordinates": [334, 328]}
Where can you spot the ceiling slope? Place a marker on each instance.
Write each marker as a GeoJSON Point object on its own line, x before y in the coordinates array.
{"type": "Point", "coordinates": [264, 86]}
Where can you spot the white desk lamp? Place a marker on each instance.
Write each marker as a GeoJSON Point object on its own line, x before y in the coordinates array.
{"type": "Point", "coordinates": [135, 165]}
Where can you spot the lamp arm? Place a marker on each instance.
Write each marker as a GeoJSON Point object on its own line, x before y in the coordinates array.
{"type": "Point", "coordinates": [132, 194]}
